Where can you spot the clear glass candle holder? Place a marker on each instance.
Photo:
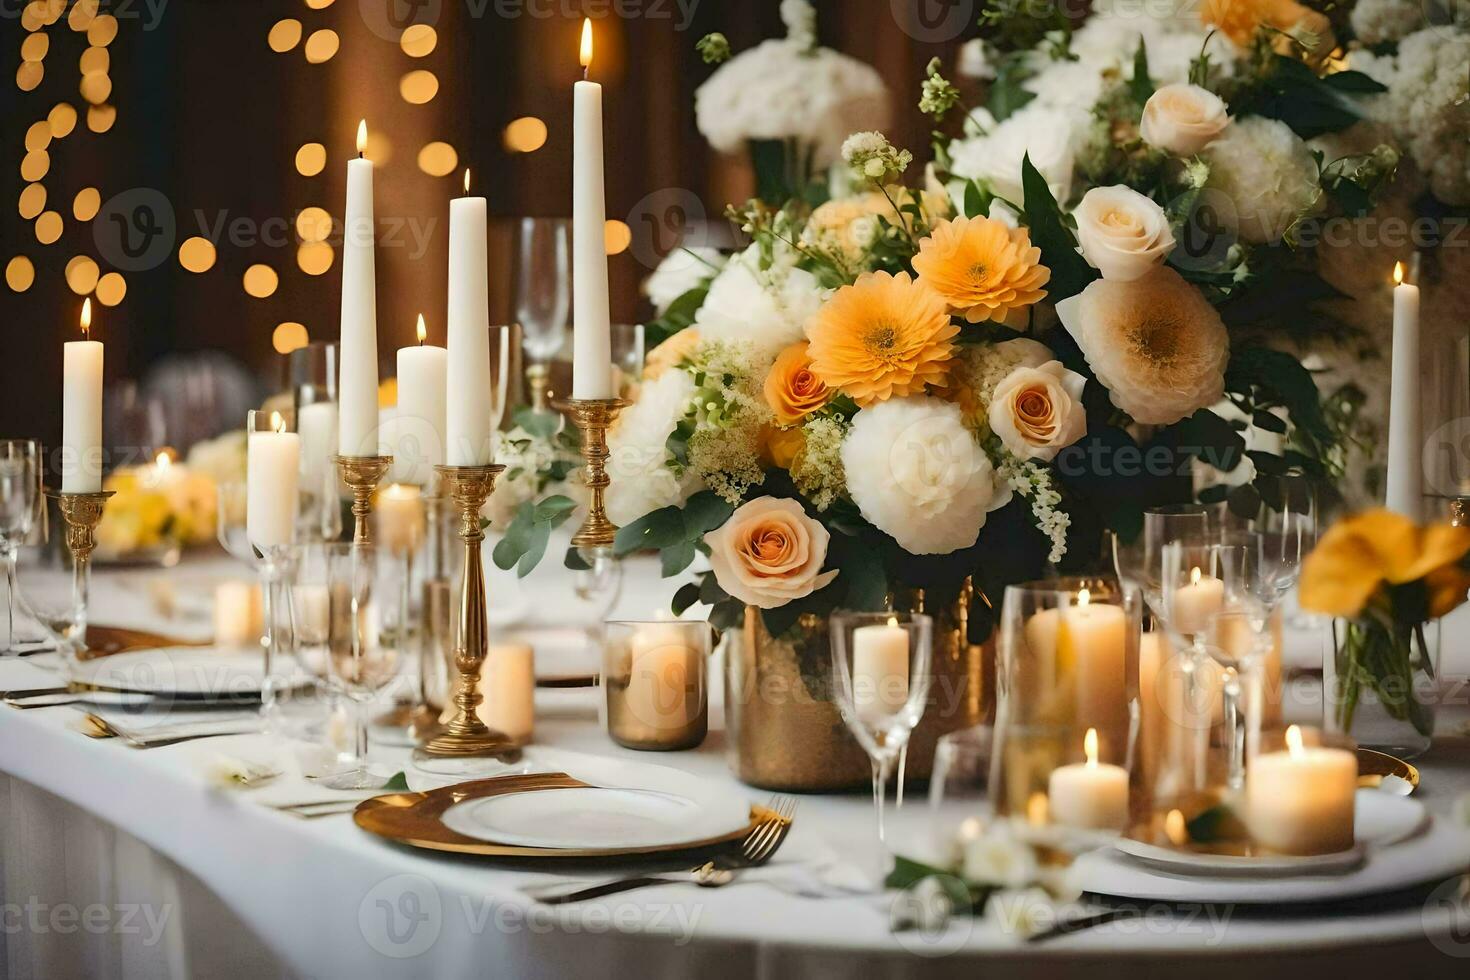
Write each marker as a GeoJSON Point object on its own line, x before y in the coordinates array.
{"type": "Point", "coordinates": [655, 683]}
{"type": "Point", "coordinates": [1301, 786]}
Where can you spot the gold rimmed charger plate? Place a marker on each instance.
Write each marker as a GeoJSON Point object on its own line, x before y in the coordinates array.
{"type": "Point", "coordinates": [417, 820]}
{"type": "Point", "coordinates": [1374, 766]}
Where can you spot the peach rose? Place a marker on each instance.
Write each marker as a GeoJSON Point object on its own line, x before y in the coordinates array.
{"type": "Point", "coordinates": [1037, 411]}
{"type": "Point", "coordinates": [769, 553]}
{"type": "Point", "coordinates": [1183, 119]}
{"type": "Point", "coordinates": [792, 390]}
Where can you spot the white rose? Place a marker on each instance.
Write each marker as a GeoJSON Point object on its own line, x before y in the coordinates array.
{"type": "Point", "coordinates": [768, 308]}
{"type": "Point", "coordinates": [683, 269]}
{"type": "Point", "coordinates": [1049, 135]}
{"type": "Point", "coordinates": [1124, 235]}
{"type": "Point", "coordinates": [1037, 411]}
{"type": "Point", "coordinates": [917, 474]}
{"type": "Point", "coordinates": [1183, 119]}
{"type": "Point", "coordinates": [638, 456]}
{"type": "Point", "coordinates": [998, 858]}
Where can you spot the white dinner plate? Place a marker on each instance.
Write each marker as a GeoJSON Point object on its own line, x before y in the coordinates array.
{"type": "Point", "coordinates": [183, 672]}
{"type": "Point", "coordinates": [1379, 820]}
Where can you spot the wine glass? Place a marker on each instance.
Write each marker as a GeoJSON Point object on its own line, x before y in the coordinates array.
{"type": "Point", "coordinates": [229, 528]}
{"type": "Point", "coordinates": [20, 496]}
{"type": "Point", "coordinates": [1287, 524]}
{"type": "Point", "coordinates": [959, 801]}
{"type": "Point", "coordinates": [54, 594]}
{"type": "Point", "coordinates": [363, 654]}
{"type": "Point", "coordinates": [543, 295]}
{"type": "Point", "coordinates": [880, 667]}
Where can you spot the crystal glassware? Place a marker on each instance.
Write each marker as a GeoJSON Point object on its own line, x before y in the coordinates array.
{"type": "Point", "coordinates": [20, 502]}
{"type": "Point", "coordinates": [543, 295]}
{"type": "Point", "coordinates": [54, 593]}
{"type": "Point", "coordinates": [881, 675]}
{"type": "Point", "coordinates": [313, 376]}
{"type": "Point", "coordinates": [655, 683]}
{"type": "Point", "coordinates": [363, 654]}
{"type": "Point", "coordinates": [959, 801]}
{"type": "Point", "coordinates": [1287, 525]}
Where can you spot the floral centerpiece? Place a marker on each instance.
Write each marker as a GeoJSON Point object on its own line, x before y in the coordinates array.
{"type": "Point", "coordinates": [156, 510]}
{"type": "Point", "coordinates": [1386, 582]}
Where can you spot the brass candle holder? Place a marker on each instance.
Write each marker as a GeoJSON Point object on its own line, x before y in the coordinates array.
{"type": "Point", "coordinates": [362, 474]}
{"type": "Point", "coordinates": [593, 416]}
{"type": "Point", "coordinates": [82, 513]}
{"type": "Point", "coordinates": [466, 736]}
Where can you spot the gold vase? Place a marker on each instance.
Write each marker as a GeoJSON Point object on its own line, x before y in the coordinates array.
{"type": "Point", "coordinates": [783, 729]}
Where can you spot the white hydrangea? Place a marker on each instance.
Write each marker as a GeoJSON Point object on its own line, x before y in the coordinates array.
{"type": "Point", "coordinates": [916, 473]}
{"type": "Point", "coordinates": [1379, 21]}
{"type": "Point", "coordinates": [1050, 135]}
{"type": "Point", "coordinates": [683, 269]}
{"type": "Point", "coordinates": [638, 458]}
{"type": "Point", "coordinates": [785, 89]}
{"type": "Point", "coordinates": [766, 308]}
{"type": "Point", "coordinates": [976, 60]}
{"type": "Point", "coordinates": [1068, 85]}
{"type": "Point", "coordinates": [1425, 80]}
{"type": "Point", "coordinates": [1267, 173]}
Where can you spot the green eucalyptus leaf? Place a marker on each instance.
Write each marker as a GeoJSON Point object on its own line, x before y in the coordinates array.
{"type": "Point", "coordinates": [677, 557]}
{"type": "Point", "coordinates": [655, 530]}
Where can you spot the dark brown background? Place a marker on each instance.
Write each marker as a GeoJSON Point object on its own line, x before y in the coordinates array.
{"type": "Point", "coordinates": [211, 117]}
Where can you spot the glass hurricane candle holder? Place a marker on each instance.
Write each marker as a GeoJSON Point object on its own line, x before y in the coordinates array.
{"type": "Point", "coordinates": [1301, 787]}
{"type": "Point", "coordinates": [655, 683]}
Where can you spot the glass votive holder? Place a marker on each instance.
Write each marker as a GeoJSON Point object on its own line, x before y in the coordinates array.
{"type": "Point", "coordinates": [1301, 786]}
{"type": "Point", "coordinates": [655, 683]}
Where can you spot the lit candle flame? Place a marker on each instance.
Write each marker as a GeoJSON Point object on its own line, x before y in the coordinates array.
{"type": "Point", "coordinates": [362, 137]}
{"type": "Point", "coordinates": [1176, 828]}
{"type": "Point", "coordinates": [893, 621]}
{"type": "Point", "coordinates": [278, 424]}
{"type": "Point", "coordinates": [1084, 596]}
{"type": "Point", "coordinates": [162, 460]}
{"type": "Point", "coordinates": [586, 44]}
{"type": "Point", "coordinates": [421, 331]}
{"type": "Point", "coordinates": [1194, 576]}
{"type": "Point", "coordinates": [1294, 740]}
{"type": "Point", "coordinates": [466, 180]}
{"type": "Point", "coordinates": [1089, 747]}
{"type": "Point", "coordinates": [1398, 273]}
{"type": "Point", "coordinates": [86, 317]}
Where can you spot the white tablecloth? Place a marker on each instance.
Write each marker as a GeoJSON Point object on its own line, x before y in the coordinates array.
{"type": "Point", "coordinates": [120, 862]}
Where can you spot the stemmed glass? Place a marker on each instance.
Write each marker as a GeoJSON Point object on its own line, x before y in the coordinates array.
{"type": "Point", "coordinates": [880, 667]}
{"type": "Point", "coordinates": [543, 295]}
{"type": "Point", "coordinates": [20, 493]}
{"type": "Point", "coordinates": [959, 803]}
{"type": "Point", "coordinates": [364, 655]}
{"type": "Point", "coordinates": [1287, 524]}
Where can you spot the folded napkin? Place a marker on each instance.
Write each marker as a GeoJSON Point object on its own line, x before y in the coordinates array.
{"type": "Point", "coordinates": [153, 728]}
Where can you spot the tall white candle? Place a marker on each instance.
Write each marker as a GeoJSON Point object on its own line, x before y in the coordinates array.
{"type": "Point", "coordinates": [401, 517]}
{"type": "Point", "coordinates": [272, 469]}
{"type": "Point", "coordinates": [1301, 801]}
{"type": "Point", "coordinates": [357, 424]}
{"type": "Point", "coordinates": [880, 670]}
{"type": "Point", "coordinates": [1094, 636]}
{"type": "Point", "coordinates": [81, 411]}
{"type": "Point", "coordinates": [1405, 431]}
{"type": "Point", "coordinates": [317, 425]}
{"type": "Point", "coordinates": [591, 321]}
{"type": "Point", "coordinates": [421, 416]}
{"type": "Point", "coordinates": [467, 424]}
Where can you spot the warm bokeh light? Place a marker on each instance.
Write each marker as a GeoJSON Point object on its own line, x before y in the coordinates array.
{"type": "Point", "coordinates": [62, 119]}
{"type": "Point", "coordinates": [81, 275]}
{"type": "Point", "coordinates": [82, 13]}
{"type": "Point", "coordinates": [96, 88]}
{"type": "Point", "coordinates": [261, 281]}
{"type": "Point", "coordinates": [34, 48]}
{"type": "Point", "coordinates": [101, 117]}
{"type": "Point", "coordinates": [20, 273]}
{"type": "Point", "coordinates": [284, 35]}
{"type": "Point", "coordinates": [379, 149]}
{"type": "Point", "coordinates": [525, 135]}
{"type": "Point", "coordinates": [418, 87]}
{"type": "Point", "coordinates": [48, 227]}
{"type": "Point", "coordinates": [94, 61]}
{"type": "Point", "coordinates": [438, 159]}
{"type": "Point", "coordinates": [310, 159]}
{"type": "Point", "coordinates": [586, 53]}
{"type": "Point", "coordinates": [314, 258]}
{"type": "Point", "coordinates": [102, 31]}
{"type": "Point", "coordinates": [418, 40]}
{"type": "Point", "coordinates": [197, 254]}
{"type": "Point", "coordinates": [617, 236]}
{"type": "Point", "coordinates": [313, 224]}
{"type": "Point", "coordinates": [32, 201]}
{"type": "Point", "coordinates": [29, 75]}
{"type": "Point", "coordinates": [38, 136]}
{"type": "Point", "coordinates": [31, 16]}
{"type": "Point", "coordinates": [321, 46]}
{"type": "Point", "coordinates": [34, 165]}
{"type": "Point", "coordinates": [289, 336]}
{"type": "Point", "coordinates": [111, 289]}
{"type": "Point", "coordinates": [85, 205]}
{"type": "Point", "coordinates": [318, 4]}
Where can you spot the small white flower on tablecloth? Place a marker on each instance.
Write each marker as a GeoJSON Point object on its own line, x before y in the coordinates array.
{"type": "Point", "coordinates": [232, 772]}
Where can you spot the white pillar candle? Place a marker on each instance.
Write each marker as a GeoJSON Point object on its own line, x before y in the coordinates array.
{"type": "Point", "coordinates": [880, 670]}
{"type": "Point", "coordinates": [1300, 801]}
{"type": "Point", "coordinates": [357, 429]}
{"type": "Point", "coordinates": [662, 665]}
{"type": "Point", "coordinates": [273, 469]}
{"type": "Point", "coordinates": [316, 423]}
{"type": "Point", "coordinates": [467, 425]}
{"type": "Point", "coordinates": [1090, 795]}
{"type": "Point", "coordinates": [311, 605]}
{"type": "Point", "coordinates": [1153, 714]}
{"type": "Point", "coordinates": [1094, 637]}
{"type": "Point", "coordinates": [421, 417]}
{"type": "Point", "coordinates": [401, 516]}
{"type": "Point", "coordinates": [237, 613]}
{"type": "Point", "coordinates": [81, 411]}
{"type": "Point", "coordinates": [1196, 602]}
{"type": "Point", "coordinates": [1405, 431]}
{"type": "Point", "coordinates": [508, 686]}
{"type": "Point", "coordinates": [591, 321]}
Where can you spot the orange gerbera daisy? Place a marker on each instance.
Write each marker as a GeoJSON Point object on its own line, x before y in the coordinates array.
{"type": "Point", "coordinates": [881, 337]}
{"type": "Point", "coordinates": [1240, 19]}
{"type": "Point", "coordinates": [983, 268]}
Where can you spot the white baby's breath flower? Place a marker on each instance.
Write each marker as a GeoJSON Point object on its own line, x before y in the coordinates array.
{"type": "Point", "coordinates": [917, 474]}
{"type": "Point", "coordinates": [643, 478]}
{"type": "Point", "coordinates": [1267, 173]}
{"type": "Point", "coordinates": [680, 271]}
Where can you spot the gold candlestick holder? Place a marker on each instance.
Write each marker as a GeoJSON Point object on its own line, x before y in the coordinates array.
{"type": "Point", "coordinates": [593, 416]}
{"type": "Point", "coordinates": [362, 474]}
{"type": "Point", "coordinates": [466, 736]}
{"type": "Point", "coordinates": [82, 513]}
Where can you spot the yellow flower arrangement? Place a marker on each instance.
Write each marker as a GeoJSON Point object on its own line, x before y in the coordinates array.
{"type": "Point", "coordinates": [984, 269]}
{"type": "Point", "coordinates": [1239, 20]}
{"type": "Point", "coordinates": [155, 506]}
{"type": "Point", "coordinates": [1359, 555]}
{"type": "Point", "coordinates": [885, 336]}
